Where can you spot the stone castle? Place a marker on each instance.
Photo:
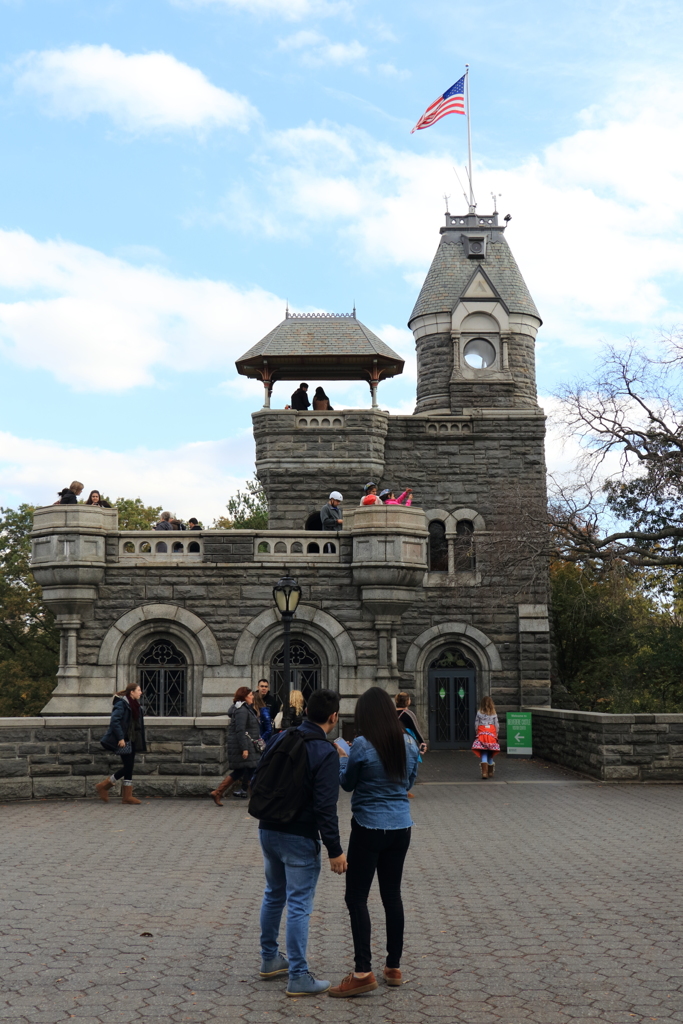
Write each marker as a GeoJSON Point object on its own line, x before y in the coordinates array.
{"type": "Point", "coordinates": [446, 600]}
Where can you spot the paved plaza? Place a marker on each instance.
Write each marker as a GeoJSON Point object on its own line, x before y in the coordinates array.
{"type": "Point", "coordinates": [538, 896]}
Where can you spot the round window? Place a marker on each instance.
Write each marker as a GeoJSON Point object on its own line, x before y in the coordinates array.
{"type": "Point", "coordinates": [479, 354]}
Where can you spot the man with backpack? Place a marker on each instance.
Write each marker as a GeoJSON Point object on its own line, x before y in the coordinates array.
{"type": "Point", "coordinates": [294, 794]}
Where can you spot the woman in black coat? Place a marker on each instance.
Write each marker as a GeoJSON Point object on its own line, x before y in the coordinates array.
{"type": "Point", "coordinates": [126, 732]}
{"type": "Point", "coordinates": [244, 747]}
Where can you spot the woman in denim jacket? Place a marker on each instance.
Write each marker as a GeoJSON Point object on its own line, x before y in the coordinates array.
{"type": "Point", "coordinates": [379, 771]}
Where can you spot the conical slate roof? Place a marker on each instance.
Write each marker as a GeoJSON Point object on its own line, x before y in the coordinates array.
{"type": "Point", "coordinates": [452, 269]}
{"type": "Point", "coordinates": [320, 345]}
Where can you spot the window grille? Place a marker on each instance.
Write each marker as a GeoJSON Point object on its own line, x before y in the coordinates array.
{"type": "Point", "coordinates": [162, 674]}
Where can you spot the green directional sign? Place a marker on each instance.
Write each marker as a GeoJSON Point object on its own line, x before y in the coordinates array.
{"type": "Point", "coordinates": [519, 733]}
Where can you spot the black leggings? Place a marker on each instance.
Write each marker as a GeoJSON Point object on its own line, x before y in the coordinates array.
{"type": "Point", "coordinates": [370, 850]}
{"type": "Point", "coordinates": [241, 775]}
{"type": "Point", "coordinates": [128, 761]}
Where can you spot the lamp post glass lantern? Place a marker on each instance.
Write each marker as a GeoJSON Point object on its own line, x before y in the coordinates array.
{"type": "Point", "coordinates": [286, 594]}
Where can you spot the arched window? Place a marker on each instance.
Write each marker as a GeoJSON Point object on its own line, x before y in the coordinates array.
{"type": "Point", "coordinates": [314, 522]}
{"type": "Point", "coordinates": [304, 666]}
{"type": "Point", "coordinates": [162, 674]}
{"type": "Point", "coordinates": [465, 560]}
{"type": "Point", "coordinates": [438, 547]}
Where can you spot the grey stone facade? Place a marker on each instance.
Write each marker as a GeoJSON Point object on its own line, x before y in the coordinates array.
{"type": "Point", "coordinates": [376, 608]}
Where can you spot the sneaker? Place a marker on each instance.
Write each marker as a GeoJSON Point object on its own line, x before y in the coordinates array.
{"type": "Point", "coordinates": [239, 794]}
{"type": "Point", "coordinates": [392, 976]}
{"type": "Point", "coordinates": [272, 968]}
{"type": "Point", "coordinates": [352, 986]}
{"type": "Point", "coordinates": [306, 985]}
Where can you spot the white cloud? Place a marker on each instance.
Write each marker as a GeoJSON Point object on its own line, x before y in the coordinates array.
{"type": "Point", "coordinates": [292, 10]}
{"type": "Point", "coordinates": [101, 324]}
{"type": "Point", "coordinates": [140, 92]}
{"type": "Point", "coordinates": [596, 224]}
{"type": "Point", "coordinates": [317, 50]}
{"type": "Point", "coordinates": [204, 474]}
{"type": "Point", "coordinates": [389, 71]}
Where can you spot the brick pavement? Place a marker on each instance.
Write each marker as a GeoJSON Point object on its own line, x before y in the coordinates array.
{"type": "Point", "coordinates": [538, 897]}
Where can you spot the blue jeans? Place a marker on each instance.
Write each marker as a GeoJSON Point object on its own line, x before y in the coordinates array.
{"type": "Point", "coordinates": [487, 757]}
{"type": "Point", "coordinates": [292, 866]}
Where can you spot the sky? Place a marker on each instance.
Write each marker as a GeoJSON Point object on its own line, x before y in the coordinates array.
{"type": "Point", "coordinates": [175, 171]}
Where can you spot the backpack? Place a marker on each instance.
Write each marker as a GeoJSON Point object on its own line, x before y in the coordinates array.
{"type": "Point", "coordinates": [281, 786]}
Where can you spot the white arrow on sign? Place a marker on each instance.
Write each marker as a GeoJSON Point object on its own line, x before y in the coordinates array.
{"type": "Point", "coordinates": [519, 737]}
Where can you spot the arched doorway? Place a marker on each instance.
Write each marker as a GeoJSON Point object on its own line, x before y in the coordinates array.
{"type": "Point", "coordinates": [305, 668]}
{"type": "Point", "coordinates": [162, 674]}
{"type": "Point", "coordinates": [452, 689]}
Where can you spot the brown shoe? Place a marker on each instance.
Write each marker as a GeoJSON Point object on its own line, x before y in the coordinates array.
{"type": "Point", "coordinates": [392, 976]}
{"type": "Point", "coordinates": [411, 796]}
{"type": "Point", "coordinates": [103, 789]}
{"type": "Point", "coordinates": [492, 769]}
{"type": "Point", "coordinates": [351, 986]}
{"type": "Point", "coordinates": [218, 792]}
{"type": "Point", "coordinates": [484, 770]}
{"type": "Point", "coordinates": [127, 795]}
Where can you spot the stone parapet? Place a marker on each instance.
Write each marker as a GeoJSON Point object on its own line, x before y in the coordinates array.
{"type": "Point", "coordinates": [626, 748]}
{"type": "Point", "coordinates": [62, 757]}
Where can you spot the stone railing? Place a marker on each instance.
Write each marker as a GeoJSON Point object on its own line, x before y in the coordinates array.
{"type": "Point", "coordinates": [320, 420]}
{"type": "Point", "coordinates": [157, 546]}
{"type": "Point", "coordinates": [626, 748]}
{"type": "Point", "coordinates": [62, 757]}
{"type": "Point", "coordinates": [295, 546]}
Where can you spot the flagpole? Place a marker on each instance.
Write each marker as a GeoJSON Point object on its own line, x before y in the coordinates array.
{"type": "Point", "coordinates": [469, 135]}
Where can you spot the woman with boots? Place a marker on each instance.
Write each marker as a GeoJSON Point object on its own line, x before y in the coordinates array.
{"type": "Point", "coordinates": [126, 737]}
{"type": "Point", "coordinates": [244, 749]}
{"type": "Point", "coordinates": [379, 771]}
{"type": "Point", "coordinates": [486, 741]}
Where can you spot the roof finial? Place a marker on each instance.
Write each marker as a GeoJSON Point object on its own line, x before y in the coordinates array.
{"type": "Point", "coordinates": [445, 199]}
{"type": "Point", "coordinates": [495, 198]}
{"type": "Point", "coordinates": [287, 309]}
{"type": "Point", "coordinates": [354, 309]}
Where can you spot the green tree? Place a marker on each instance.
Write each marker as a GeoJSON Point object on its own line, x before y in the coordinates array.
{"type": "Point", "coordinates": [247, 510]}
{"type": "Point", "coordinates": [134, 515]}
{"type": "Point", "coordinates": [29, 639]}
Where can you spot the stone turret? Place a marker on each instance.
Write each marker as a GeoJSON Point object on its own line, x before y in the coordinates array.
{"type": "Point", "coordinates": [474, 323]}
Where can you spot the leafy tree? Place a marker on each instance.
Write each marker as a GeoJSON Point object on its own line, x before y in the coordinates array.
{"type": "Point", "coordinates": [29, 639]}
{"type": "Point", "coordinates": [134, 515]}
{"type": "Point", "coordinates": [247, 510]}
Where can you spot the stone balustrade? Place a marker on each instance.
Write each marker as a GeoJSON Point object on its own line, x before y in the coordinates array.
{"type": "Point", "coordinates": [296, 546]}
{"type": "Point", "coordinates": [142, 546]}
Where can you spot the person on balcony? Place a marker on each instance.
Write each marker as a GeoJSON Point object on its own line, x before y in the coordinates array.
{"type": "Point", "coordinates": [300, 400]}
{"type": "Point", "coordinates": [193, 524]}
{"type": "Point", "coordinates": [389, 498]}
{"type": "Point", "coordinates": [69, 496]}
{"type": "Point", "coordinates": [370, 495]}
{"type": "Point", "coordinates": [331, 518]}
{"type": "Point", "coordinates": [95, 498]}
{"type": "Point", "coordinates": [321, 402]}
{"type": "Point", "coordinates": [164, 522]}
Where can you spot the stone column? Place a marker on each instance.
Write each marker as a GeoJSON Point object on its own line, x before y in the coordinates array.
{"type": "Point", "coordinates": [68, 646]}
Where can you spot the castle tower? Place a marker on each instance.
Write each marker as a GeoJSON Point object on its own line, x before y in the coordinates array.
{"type": "Point", "coordinates": [474, 323]}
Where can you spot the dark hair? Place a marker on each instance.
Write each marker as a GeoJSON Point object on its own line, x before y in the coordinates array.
{"type": "Point", "coordinates": [319, 394]}
{"type": "Point", "coordinates": [303, 385]}
{"type": "Point", "coordinates": [322, 704]}
{"type": "Point", "coordinates": [402, 700]}
{"type": "Point", "coordinates": [263, 681]}
{"type": "Point", "coordinates": [128, 690]}
{"type": "Point", "coordinates": [376, 719]}
{"type": "Point", "coordinates": [98, 493]}
{"type": "Point", "coordinates": [241, 693]}
{"type": "Point", "coordinates": [193, 520]}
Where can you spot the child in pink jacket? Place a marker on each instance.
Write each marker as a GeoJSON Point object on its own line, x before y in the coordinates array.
{"type": "Point", "coordinates": [403, 499]}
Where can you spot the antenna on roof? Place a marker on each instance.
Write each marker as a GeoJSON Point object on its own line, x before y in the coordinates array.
{"type": "Point", "coordinates": [445, 199]}
{"type": "Point", "coordinates": [495, 198]}
{"type": "Point", "coordinates": [460, 184]}
{"type": "Point", "coordinates": [287, 309]}
{"type": "Point", "coordinates": [354, 309]}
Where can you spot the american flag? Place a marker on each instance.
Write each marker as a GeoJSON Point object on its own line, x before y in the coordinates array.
{"type": "Point", "coordinates": [451, 102]}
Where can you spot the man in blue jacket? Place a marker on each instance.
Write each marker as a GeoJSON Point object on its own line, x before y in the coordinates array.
{"type": "Point", "coordinates": [291, 853]}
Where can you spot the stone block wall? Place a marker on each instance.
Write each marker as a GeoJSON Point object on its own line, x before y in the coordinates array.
{"type": "Point", "coordinates": [614, 748]}
{"type": "Point", "coordinates": [62, 757]}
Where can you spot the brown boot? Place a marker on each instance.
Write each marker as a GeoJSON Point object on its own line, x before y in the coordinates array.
{"type": "Point", "coordinates": [484, 770]}
{"type": "Point", "coordinates": [127, 794]}
{"type": "Point", "coordinates": [393, 976]}
{"type": "Point", "coordinates": [351, 986]}
{"type": "Point", "coordinates": [103, 789]}
{"type": "Point", "coordinates": [218, 792]}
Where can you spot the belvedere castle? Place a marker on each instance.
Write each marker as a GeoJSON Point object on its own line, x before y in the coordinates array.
{"type": "Point", "coordinates": [446, 600]}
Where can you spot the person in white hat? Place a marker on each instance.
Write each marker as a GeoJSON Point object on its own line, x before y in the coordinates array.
{"type": "Point", "coordinates": [331, 517]}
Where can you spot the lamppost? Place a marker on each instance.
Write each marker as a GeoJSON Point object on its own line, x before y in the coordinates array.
{"type": "Point", "coordinates": [286, 594]}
